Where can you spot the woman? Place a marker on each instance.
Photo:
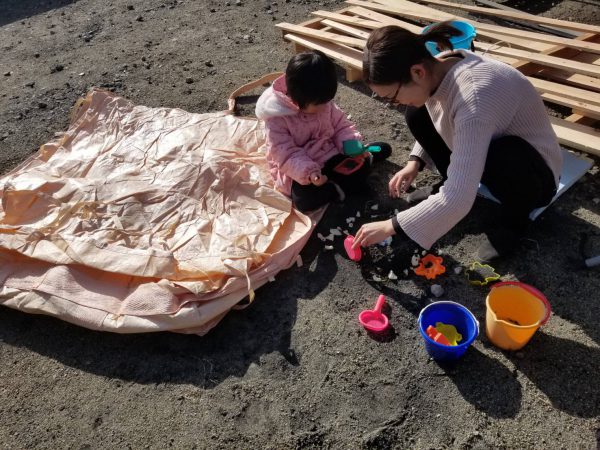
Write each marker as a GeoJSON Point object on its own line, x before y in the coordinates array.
{"type": "Point", "coordinates": [474, 120]}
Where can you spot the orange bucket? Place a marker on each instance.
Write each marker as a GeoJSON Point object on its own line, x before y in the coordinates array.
{"type": "Point", "coordinates": [514, 312]}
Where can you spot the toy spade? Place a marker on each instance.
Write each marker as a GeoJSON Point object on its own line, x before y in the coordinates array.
{"type": "Point", "coordinates": [354, 148]}
{"type": "Point", "coordinates": [374, 320]}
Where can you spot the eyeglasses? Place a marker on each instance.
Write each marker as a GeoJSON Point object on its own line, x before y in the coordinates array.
{"type": "Point", "coordinates": [390, 101]}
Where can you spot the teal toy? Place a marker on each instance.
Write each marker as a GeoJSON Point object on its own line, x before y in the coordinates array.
{"type": "Point", "coordinates": [354, 148]}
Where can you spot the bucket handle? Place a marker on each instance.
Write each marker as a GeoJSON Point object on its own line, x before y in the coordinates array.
{"type": "Point", "coordinates": [533, 291]}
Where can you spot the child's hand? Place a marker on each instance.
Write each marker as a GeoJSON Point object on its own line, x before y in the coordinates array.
{"type": "Point", "coordinates": [318, 179]}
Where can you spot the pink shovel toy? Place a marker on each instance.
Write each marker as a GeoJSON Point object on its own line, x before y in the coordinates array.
{"type": "Point", "coordinates": [374, 320]}
{"type": "Point", "coordinates": [353, 253]}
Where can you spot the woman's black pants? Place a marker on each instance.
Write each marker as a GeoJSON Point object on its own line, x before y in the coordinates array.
{"type": "Point", "coordinates": [515, 172]}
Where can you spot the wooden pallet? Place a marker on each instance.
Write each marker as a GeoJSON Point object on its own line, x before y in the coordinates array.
{"type": "Point", "coordinates": [565, 71]}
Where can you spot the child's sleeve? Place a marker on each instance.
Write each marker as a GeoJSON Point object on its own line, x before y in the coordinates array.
{"type": "Point", "coordinates": [343, 128]}
{"type": "Point", "coordinates": [291, 159]}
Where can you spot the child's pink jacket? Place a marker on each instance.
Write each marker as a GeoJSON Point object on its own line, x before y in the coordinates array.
{"type": "Point", "coordinates": [299, 143]}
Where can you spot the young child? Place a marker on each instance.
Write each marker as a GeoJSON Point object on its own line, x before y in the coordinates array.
{"type": "Point", "coordinates": [305, 135]}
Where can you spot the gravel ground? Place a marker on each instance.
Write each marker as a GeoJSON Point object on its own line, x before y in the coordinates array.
{"type": "Point", "coordinates": [295, 370]}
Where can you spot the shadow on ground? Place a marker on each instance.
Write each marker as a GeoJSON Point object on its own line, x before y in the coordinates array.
{"type": "Point", "coordinates": [15, 10]}
{"type": "Point", "coordinates": [228, 350]}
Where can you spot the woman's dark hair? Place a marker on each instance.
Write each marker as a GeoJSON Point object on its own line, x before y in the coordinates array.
{"type": "Point", "coordinates": [391, 51]}
{"type": "Point", "coordinates": [311, 78]}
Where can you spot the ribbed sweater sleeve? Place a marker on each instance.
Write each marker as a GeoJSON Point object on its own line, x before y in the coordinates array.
{"type": "Point", "coordinates": [477, 101]}
{"type": "Point", "coordinates": [426, 222]}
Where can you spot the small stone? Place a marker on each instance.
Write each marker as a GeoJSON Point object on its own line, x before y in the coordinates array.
{"type": "Point", "coordinates": [208, 63]}
{"type": "Point", "coordinates": [392, 275]}
{"type": "Point", "coordinates": [375, 207]}
{"type": "Point", "coordinates": [335, 232]}
{"type": "Point", "coordinates": [246, 37]}
{"type": "Point", "coordinates": [405, 272]}
{"type": "Point", "coordinates": [238, 3]}
{"type": "Point", "coordinates": [212, 10]}
{"type": "Point", "coordinates": [328, 247]}
{"type": "Point", "coordinates": [424, 252]}
{"type": "Point", "coordinates": [36, 55]}
{"type": "Point", "coordinates": [358, 214]}
{"type": "Point", "coordinates": [57, 68]}
{"type": "Point", "coordinates": [458, 270]}
{"type": "Point", "coordinates": [139, 19]}
{"type": "Point", "coordinates": [414, 260]}
{"type": "Point", "coordinates": [81, 74]}
{"type": "Point", "coordinates": [377, 278]}
{"type": "Point", "coordinates": [30, 84]}
{"type": "Point", "coordinates": [42, 105]}
{"type": "Point", "coordinates": [437, 290]}
{"type": "Point", "coordinates": [7, 74]}
{"type": "Point", "coordinates": [349, 116]}
{"type": "Point", "coordinates": [189, 80]}
{"type": "Point", "coordinates": [227, 4]}
{"type": "Point", "coordinates": [130, 7]}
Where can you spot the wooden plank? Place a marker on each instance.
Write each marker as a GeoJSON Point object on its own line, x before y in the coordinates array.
{"type": "Point", "coordinates": [514, 41]}
{"type": "Point", "coordinates": [353, 74]}
{"type": "Point", "coordinates": [381, 18]}
{"type": "Point", "coordinates": [577, 94]}
{"type": "Point", "coordinates": [577, 136]}
{"type": "Point", "coordinates": [346, 29]}
{"type": "Point", "coordinates": [542, 59]}
{"type": "Point", "coordinates": [578, 118]}
{"type": "Point", "coordinates": [490, 31]}
{"type": "Point", "coordinates": [323, 35]}
{"type": "Point", "coordinates": [519, 16]}
{"type": "Point", "coordinates": [582, 108]}
{"type": "Point", "coordinates": [346, 55]}
{"type": "Point", "coordinates": [561, 31]}
{"type": "Point", "coordinates": [346, 19]}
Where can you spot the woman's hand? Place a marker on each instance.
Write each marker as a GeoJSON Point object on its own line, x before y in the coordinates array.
{"type": "Point", "coordinates": [402, 179]}
{"type": "Point", "coordinates": [372, 233]}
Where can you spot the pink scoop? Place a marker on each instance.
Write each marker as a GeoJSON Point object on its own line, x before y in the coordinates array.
{"type": "Point", "coordinates": [353, 253]}
{"type": "Point", "coordinates": [374, 320]}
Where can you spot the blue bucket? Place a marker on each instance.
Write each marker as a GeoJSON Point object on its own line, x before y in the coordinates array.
{"type": "Point", "coordinates": [463, 41]}
{"type": "Point", "coordinates": [450, 313]}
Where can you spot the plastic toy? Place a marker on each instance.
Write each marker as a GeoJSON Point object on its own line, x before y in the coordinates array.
{"type": "Point", "coordinates": [436, 336]}
{"type": "Point", "coordinates": [353, 147]}
{"type": "Point", "coordinates": [374, 320]}
{"type": "Point", "coordinates": [449, 332]}
{"type": "Point", "coordinates": [514, 312]}
{"type": "Point", "coordinates": [350, 165]}
{"type": "Point", "coordinates": [481, 274]}
{"type": "Point", "coordinates": [430, 266]}
{"type": "Point", "coordinates": [355, 254]}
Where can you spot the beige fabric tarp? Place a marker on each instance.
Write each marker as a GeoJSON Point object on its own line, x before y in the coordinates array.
{"type": "Point", "coordinates": [144, 219]}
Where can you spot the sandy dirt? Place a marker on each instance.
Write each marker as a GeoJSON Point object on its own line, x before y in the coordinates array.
{"type": "Point", "coordinates": [294, 370]}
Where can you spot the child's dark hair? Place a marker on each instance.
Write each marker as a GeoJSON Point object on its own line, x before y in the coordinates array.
{"type": "Point", "coordinates": [391, 51]}
{"type": "Point", "coordinates": [311, 78]}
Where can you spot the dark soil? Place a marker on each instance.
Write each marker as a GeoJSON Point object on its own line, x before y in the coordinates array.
{"type": "Point", "coordinates": [294, 370]}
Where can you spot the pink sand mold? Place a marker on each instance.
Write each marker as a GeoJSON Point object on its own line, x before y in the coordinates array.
{"type": "Point", "coordinates": [355, 254]}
